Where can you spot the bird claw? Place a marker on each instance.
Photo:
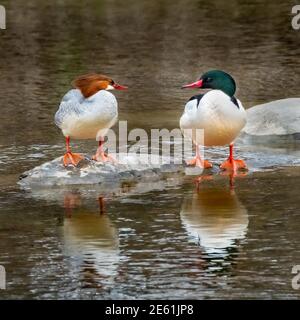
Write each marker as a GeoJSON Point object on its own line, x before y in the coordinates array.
{"type": "Point", "coordinates": [199, 163]}
{"type": "Point", "coordinates": [233, 165]}
{"type": "Point", "coordinates": [72, 159]}
{"type": "Point", "coordinates": [104, 157]}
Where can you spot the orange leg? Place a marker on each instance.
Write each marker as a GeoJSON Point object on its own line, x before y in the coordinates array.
{"type": "Point", "coordinates": [231, 164]}
{"type": "Point", "coordinates": [198, 162]}
{"type": "Point", "coordinates": [69, 157]}
{"type": "Point", "coordinates": [100, 155]}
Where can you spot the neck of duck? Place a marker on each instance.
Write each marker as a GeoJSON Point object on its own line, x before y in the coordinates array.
{"type": "Point", "coordinates": [228, 86]}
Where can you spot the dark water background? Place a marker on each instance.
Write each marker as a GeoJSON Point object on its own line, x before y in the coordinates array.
{"type": "Point", "coordinates": [57, 244]}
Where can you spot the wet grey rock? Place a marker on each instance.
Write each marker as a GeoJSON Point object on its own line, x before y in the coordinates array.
{"type": "Point", "coordinates": [129, 167]}
{"type": "Point", "coordinates": [279, 118]}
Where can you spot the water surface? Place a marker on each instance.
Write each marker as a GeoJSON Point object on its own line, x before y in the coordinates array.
{"type": "Point", "coordinates": [172, 239]}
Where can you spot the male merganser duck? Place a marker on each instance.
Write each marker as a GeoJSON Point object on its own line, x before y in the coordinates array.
{"type": "Point", "coordinates": [218, 112]}
{"type": "Point", "coordinates": [87, 112]}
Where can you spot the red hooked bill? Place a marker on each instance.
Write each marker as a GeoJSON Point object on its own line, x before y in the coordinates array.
{"type": "Point", "coordinates": [119, 87]}
{"type": "Point", "coordinates": [197, 84]}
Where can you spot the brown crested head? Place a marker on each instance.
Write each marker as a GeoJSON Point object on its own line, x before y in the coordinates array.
{"type": "Point", "coordinates": [89, 84]}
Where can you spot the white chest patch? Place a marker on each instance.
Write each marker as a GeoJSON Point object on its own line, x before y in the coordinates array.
{"type": "Point", "coordinates": [217, 115]}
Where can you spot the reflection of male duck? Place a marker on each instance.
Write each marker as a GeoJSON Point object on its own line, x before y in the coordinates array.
{"type": "Point", "coordinates": [92, 241]}
{"type": "Point", "coordinates": [215, 218]}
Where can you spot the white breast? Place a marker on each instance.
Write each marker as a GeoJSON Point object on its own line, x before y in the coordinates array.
{"type": "Point", "coordinates": [220, 118]}
{"type": "Point", "coordinates": [89, 118]}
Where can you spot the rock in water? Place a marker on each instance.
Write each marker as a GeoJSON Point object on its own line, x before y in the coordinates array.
{"type": "Point", "coordinates": [129, 167]}
{"type": "Point", "coordinates": [280, 117]}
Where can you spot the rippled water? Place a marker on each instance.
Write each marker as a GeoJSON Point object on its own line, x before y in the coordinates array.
{"type": "Point", "coordinates": [172, 238]}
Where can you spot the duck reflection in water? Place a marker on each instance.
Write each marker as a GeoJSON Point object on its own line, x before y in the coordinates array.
{"type": "Point", "coordinates": [214, 217]}
{"type": "Point", "coordinates": [91, 241]}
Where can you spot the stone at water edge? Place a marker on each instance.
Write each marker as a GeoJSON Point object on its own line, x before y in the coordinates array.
{"type": "Point", "coordinates": [280, 117]}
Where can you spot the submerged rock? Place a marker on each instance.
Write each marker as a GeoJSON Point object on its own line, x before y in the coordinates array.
{"type": "Point", "coordinates": [281, 117]}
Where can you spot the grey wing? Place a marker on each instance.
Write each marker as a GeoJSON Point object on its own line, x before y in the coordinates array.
{"type": "Point", "coordinates": [70, 104]}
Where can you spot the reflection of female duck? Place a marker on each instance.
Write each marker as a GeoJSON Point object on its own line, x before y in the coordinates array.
{"type": "Point", "coordinates": [93, 241]}
{"type": "Point", "coordinates": [214, 218]}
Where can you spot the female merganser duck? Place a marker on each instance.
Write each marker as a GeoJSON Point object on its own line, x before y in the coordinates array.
{"type": "Point", "coordinates": [218, 113]}
{"type": "Point", "coordinates": [87, 112]}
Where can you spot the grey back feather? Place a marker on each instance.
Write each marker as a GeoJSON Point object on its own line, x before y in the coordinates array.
{"type": "Point", "coordinates": [70, 104]}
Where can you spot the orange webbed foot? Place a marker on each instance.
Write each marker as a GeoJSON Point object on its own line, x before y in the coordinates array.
{"type": "Point", "coordinates": [72, 159]}
{"type": "Point", "coordinates": [199, 163]}
{"type": "Point", "coordinates": [233, 165]}
{"type": "Point", "coordinates": [104, 157]}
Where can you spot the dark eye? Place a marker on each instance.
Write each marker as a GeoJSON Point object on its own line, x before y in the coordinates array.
{"type": "Point", "coordinates": [208, 79]}
{"type": "Point", "coordinates": [112, 82]}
